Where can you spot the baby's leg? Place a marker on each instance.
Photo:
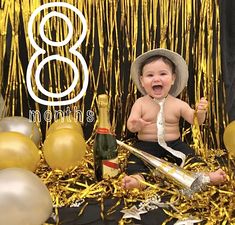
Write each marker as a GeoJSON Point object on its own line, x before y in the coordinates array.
{"type": "Point", "coordinates": [133, 181]}
{"type": "Point", "coordinates": [217, 177]}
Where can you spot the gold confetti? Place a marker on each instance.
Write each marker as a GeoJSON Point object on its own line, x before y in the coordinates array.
{"type": "Point", "coordinates": [124, 29]}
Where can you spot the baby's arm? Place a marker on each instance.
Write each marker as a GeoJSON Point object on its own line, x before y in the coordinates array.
{"type": "Point", "coordinates": [135, 123]}
{"type": "Point", "coordinates": [188, 113]}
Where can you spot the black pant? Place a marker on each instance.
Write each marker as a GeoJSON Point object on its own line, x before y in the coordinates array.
{"type": "Point", "coordinates": [136, 165]}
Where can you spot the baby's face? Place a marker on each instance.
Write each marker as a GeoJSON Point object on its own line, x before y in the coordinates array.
{"type": "Point", "coordinates": [157, 79]}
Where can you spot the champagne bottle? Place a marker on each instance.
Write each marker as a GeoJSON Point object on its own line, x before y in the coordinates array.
{"type": "Point", "coordinates": [105, 145]}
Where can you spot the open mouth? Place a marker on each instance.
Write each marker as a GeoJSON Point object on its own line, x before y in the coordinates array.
{"type": "Point", "coordinates": [157, 88]}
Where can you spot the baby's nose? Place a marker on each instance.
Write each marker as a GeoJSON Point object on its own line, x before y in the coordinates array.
{"type": "Point", "coordinates": [156, 78]}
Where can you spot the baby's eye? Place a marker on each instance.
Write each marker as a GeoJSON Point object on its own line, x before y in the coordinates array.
{"type": "Point", "coordinates": [162, 74]}
{"type": "Point", "coordinates": [149, 75]}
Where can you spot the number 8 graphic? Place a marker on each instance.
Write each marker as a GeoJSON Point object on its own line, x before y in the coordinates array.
{"type": "Point", "coordinates": [40, 51]}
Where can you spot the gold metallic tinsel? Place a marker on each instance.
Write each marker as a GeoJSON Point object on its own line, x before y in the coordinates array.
{"type": "Point", "coordinates": [215, 205]}
{"type": "Point", "coordinates": [119, 31]}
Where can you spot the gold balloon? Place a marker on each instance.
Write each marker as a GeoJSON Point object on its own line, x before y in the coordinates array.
{"type": "Point", "coordinates": [229, 138]}
{"type": "Point", "coordinates": [22, 125]}
{"type": "Point", "coordinates": [64, 149]}
{"type": "Point", "coordinates": [65, 122]}
{"type": "Point", "coordinates": [18, 150]}
{"type": "Point", "coordinates": [24, 198]}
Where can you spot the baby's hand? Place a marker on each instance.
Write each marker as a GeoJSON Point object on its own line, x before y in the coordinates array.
{"type": "Point", "coordinates": [202, 105]}
{"type": "Point", "coordinates": [140, 123]}
{"type": "Point", "coordinates": [132, 181]}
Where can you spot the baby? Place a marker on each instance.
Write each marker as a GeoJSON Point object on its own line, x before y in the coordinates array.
{"type": "Point", "coordinates": [160, 75]}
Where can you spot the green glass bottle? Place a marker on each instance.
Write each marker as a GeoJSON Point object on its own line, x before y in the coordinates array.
{"type": "Point", "coordinates": [105, 144]}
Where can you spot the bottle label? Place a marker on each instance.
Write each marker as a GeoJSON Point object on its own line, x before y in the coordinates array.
{"type": "Point", "coordinates": [110, 168]}
{"type": "Point", "coordinates": [103, 131]}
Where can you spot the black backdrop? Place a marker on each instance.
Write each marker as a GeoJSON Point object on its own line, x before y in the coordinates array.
{"type": "Point", "coordinates": [227, 17]}
{"type": "Point", "coordinates": [227, 9]}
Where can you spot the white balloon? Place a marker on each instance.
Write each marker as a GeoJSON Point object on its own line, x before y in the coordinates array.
{"type": "Point", "coordinates": [24, 198]}
{"type": "Point", "coordinates": [21, 125]}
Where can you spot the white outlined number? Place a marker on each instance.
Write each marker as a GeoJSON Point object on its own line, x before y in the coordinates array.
{"type": "Point", "coordinates": [40, 51]}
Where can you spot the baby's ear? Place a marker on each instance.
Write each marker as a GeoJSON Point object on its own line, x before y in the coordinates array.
{"type": "Point", "coordinates": [141, 79]}
{"type": "Point", "coordinates": [173, 78]}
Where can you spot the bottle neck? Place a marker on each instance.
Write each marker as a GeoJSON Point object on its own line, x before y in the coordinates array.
{"type": "Point", "coordinates": [103, 121]}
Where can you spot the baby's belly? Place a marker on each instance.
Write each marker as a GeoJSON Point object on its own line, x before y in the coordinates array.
{"type": "Point", "coordinates": [150, 134]}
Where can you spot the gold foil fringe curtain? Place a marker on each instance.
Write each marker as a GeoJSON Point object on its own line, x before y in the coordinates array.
{"type": "Point", "coordinates": [118, 31]}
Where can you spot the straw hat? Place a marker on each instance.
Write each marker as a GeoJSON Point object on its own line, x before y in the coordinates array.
{"type": "Point", "coordinates": [181, 69]}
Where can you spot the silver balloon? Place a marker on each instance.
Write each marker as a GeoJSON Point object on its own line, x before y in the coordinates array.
{"type": "Point", "coordinates": [24, 198]}
{"type": "Point", "coordinates": [22, 125]}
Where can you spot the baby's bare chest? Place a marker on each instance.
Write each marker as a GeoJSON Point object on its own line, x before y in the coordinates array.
{"type": "Point", "coordinates": [171, 114]}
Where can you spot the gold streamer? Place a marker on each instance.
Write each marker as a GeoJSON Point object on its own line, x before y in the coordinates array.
{"type": "Point", "coordinates": [118, 31]}
{"type": "Point", "coordinates": [157, 17]}
{"type": "Point", "coordinates": [215, 205]}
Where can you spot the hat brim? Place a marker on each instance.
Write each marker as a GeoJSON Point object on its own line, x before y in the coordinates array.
{"type": "Point", "coordinates": [181, 69]}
